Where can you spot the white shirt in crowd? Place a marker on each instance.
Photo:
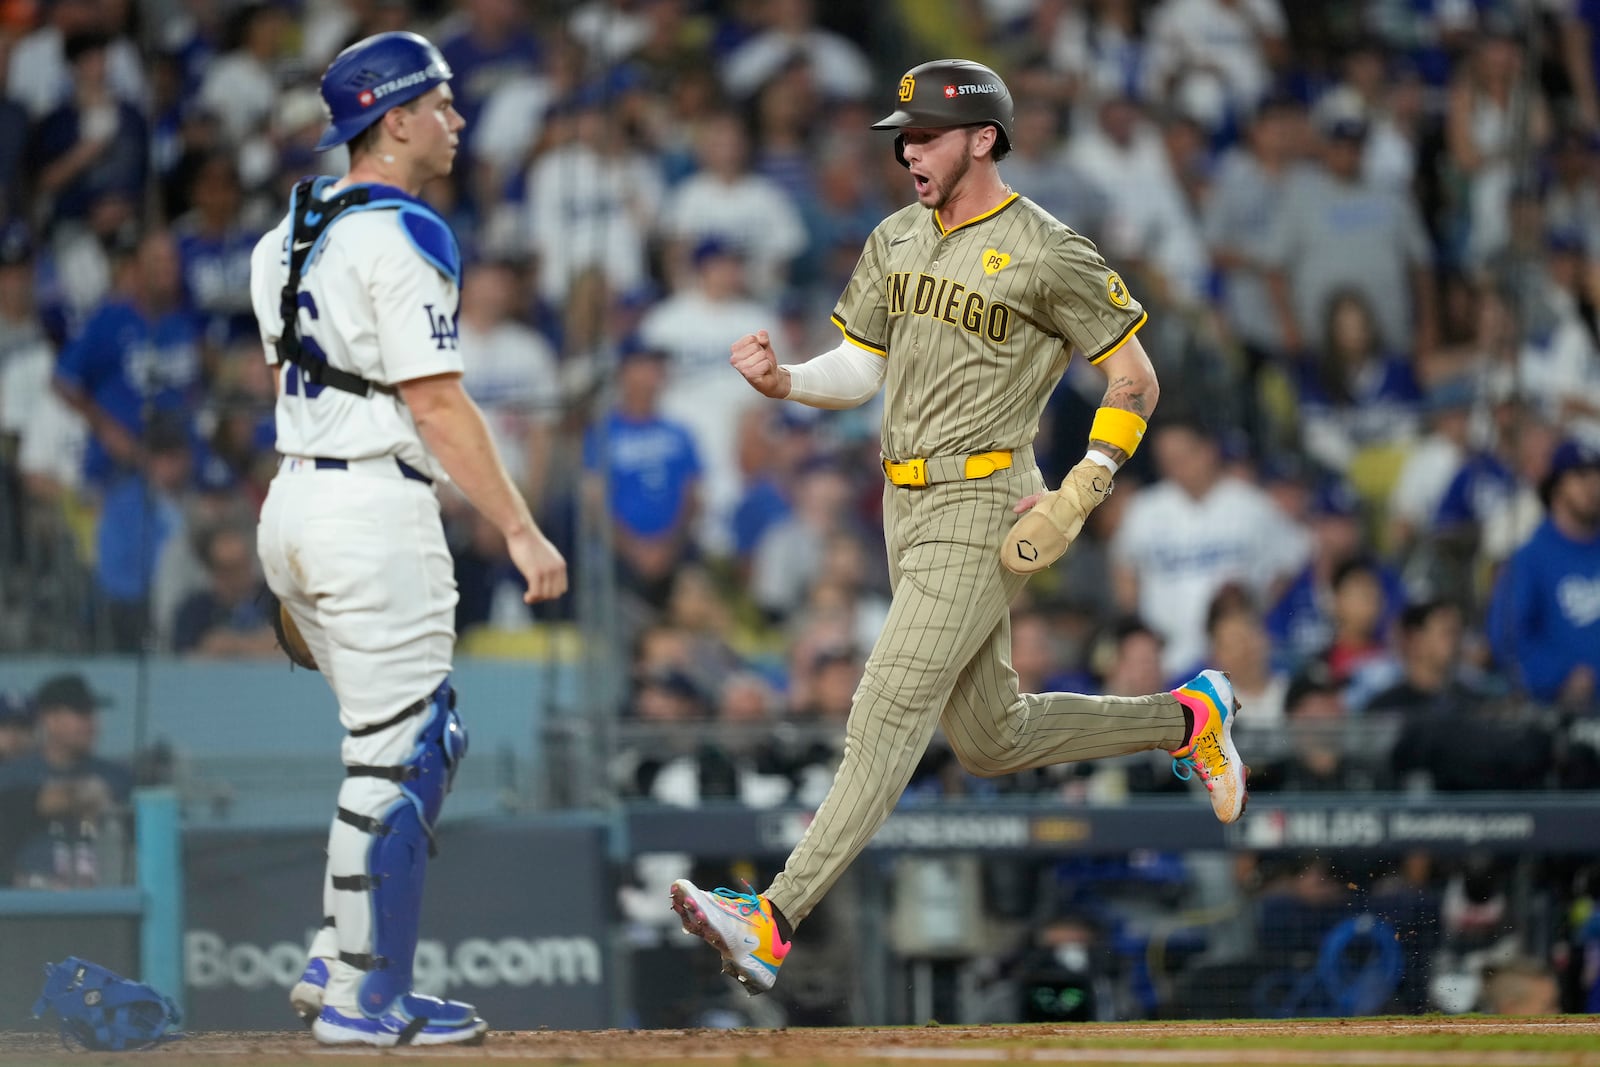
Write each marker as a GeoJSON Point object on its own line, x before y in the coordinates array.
{"type": "Point", "coordinates": [703, 396]}
{"type": "Point", "coordinates": [1184, 550]}
{"type": "Point", "coordinates": [589, 210]}
{"type": "Point", "coordinates": [1214, 49]}
{"type": "Point", "coordinates": [39, 78]}
{"type": "Point", "coordinates": [839, 69]}
{"type": "Point", "coordinates": [511, 373]}
{"type": "Point", "coordinates": [752, 212]}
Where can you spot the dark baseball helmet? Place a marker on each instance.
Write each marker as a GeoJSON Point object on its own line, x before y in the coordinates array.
{"type": "Point", "coordinates": [951, 92]}
{"type": "Point", "coordinates": [374, 75]}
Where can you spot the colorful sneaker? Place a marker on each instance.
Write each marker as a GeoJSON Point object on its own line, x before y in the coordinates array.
{"type": "Point", "coordinates": [1209, 750]}
{"type": "Point", "coordinates": [738, 925]}
{"type": "Point", "coordinates": [413, 1019]}
{"type": "Point", "coordinates": [306, 996]}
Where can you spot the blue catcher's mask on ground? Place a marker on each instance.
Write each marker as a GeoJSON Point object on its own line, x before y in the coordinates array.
{"type": "Point", "coordinates": [102, 1010]}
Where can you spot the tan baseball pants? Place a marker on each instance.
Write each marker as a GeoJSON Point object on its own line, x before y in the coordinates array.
{"type": "Point", "coordinates": [944, 658]}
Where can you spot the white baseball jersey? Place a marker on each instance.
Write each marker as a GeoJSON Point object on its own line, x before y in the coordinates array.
{"type": "Point", "coordinates": [372, 302]}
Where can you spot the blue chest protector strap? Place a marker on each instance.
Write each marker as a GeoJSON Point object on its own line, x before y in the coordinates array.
{"type": "Point", "coordinates": [309, 220]}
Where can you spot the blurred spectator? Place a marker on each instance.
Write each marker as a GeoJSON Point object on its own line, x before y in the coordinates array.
{"type": "Point", "coordinates": [241, 86]}
{"type": "Point", "coordinates": [592, 200]}
{"type": "Point", "coordinates": [725, 201]}
{"type": "Point", "coordinates": [771, 446]}
{"type": "Point", "coordinates": [1430, 657]}
{"type": "Point", "coordinates": [1544, 623]}
{"type": "Point", "coordinates": [1572, 200]}
{"type": "Point", "coordinates": [15, 175]}
{"type": "Point", "coordinates": [52, 799]}
{"type": "Point", "coordinates": [1355, 396]}
{"type": "Point", "coordinates": [789, 556]}
{"type": "Point", "coordinates": [1149, 222]}
{"type": "Point", "coordinates": [511, 373]}
{"type": "Point", "coordinates": [1240, 647]}
{"type": "Point", "coordinates": [646, 469]}
{"type": "Point", "coordinates": [214, 247]}
{"type": "Point", "coordinates": [1315, 717]}
{"type": "Point", "coordinates": [91, 144]}
{"type": "Point", "coordinates": [1301, 619]}
{"type": "Point", "coordinates": [16, 731]}
{"type": "Point", "coordinates": [1101, 47]}
{"type": "Point", "coordinates": [49, 437]}
{"type": "Point", "coordinates": [790, 30]}
{"type": "Point", "coordinates": [611, 30]}
{"type": "Point", "coordinates": [694, 327]}
{"type": "Point", "coordinates": [1494, 116]}
{"type": "Point", "coordinates": [229, 619]}
{"type": "Point", "coordinates": [1249, 187]}
{"type": "Point", "coordinates": [1359, 623]}
{"type": "Point", "coordinates": [1213, 58]}
{"type": "Point", "coordinates": [140, 513]}
{"type": "Point", "coordinates": [1186, 536]}
{"type": "Point", "coordinates": [40, 73]}
{"type": "Point", "coordinates": [137, 355]}
{"type": "Point", "coordinates": [1432, 463]}
{"type": "Point", "coordinates": [1337, 231]}
{"type": "Point", "coordinates": [1039, 169]}
{"type": "Point", "coordinates": [1558, 366]}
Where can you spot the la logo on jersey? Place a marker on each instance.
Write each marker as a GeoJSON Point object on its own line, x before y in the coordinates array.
{"type": "Point", "coordinates": [443, 327]}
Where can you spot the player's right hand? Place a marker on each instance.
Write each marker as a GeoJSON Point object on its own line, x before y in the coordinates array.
{"type": "Point", "coordinates": [540, 563]}
{"type": "Point", "coordinates": [754, 358]}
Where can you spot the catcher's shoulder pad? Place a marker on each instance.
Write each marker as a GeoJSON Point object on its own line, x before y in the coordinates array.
{"type": "Point", "coordinates": [431, 237]}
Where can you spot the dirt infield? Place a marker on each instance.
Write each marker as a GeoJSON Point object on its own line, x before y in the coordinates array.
{"type": "Point", "coordinates": [1572, 1041]}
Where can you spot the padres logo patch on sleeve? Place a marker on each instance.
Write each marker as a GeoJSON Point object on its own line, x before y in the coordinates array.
{"type": "Point", "coordinates": [1116, 292]}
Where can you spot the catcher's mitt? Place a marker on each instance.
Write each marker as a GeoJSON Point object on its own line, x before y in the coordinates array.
{"type": "Point", "coordinates": [289, 637]}
{"type": "Point", "coordinates": [1044, 532]}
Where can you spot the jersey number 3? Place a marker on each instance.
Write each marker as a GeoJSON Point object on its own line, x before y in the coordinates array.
{"type": "Point", "coordinates": [293, 379]}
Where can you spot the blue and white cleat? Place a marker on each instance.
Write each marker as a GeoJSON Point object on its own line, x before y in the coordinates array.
{"type": "Point", "coordinates": [413, 1019]}
{"type": "Point", "coordinates": [306, 996]}
{"type": "Point", "coordinates": [1209, 750]}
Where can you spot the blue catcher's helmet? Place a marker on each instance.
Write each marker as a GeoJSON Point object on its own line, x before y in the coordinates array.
{"type": "Point", "coordinates": [374, 75]}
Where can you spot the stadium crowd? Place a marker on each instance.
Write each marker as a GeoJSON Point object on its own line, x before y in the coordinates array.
{"type": "Point", "coordinates": [1368, 235]}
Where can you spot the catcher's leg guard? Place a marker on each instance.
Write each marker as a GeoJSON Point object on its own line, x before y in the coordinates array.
{"type": "Point", "coordinates": [386, 818]}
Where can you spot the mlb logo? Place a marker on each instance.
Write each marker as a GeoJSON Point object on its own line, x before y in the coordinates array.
{"type": "Point", "coordinates": [366, 98]}
{"type": "Point", "coordinates": [949, 92]}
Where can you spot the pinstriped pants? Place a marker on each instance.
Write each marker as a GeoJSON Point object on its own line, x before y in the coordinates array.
{"type": "Point", "coordinates": [944, 658]}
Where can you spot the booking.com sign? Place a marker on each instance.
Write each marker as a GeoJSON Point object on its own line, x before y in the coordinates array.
{"type": "Point", "coordinates": [211, 963]}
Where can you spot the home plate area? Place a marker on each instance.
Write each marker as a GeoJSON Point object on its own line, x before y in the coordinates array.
{"type": "Point", "coordinates": [1572, 1041]}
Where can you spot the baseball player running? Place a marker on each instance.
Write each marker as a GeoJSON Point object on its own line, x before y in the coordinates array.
{"type": "Point", "coordinates": [356, 293]}
{"type": "Point", "coordinates": [968, 304]}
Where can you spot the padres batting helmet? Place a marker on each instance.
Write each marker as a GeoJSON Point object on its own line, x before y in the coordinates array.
{"type": "Point", "coordinates": [951, 92]}
{"type": "Point", "coordinates": [374, 75]}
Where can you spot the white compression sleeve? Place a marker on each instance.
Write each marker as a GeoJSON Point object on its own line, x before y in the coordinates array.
{"type": "Point", "coordinates": [845, 377]}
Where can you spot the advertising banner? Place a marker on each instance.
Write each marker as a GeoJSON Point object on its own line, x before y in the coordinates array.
{"type": "Point", "coordinates": [513, 921]}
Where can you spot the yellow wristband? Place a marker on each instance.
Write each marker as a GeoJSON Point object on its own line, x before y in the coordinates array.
{"type": "Point", "coordinates": [1122, 429]}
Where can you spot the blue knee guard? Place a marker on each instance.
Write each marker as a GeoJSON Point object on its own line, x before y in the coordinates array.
{"type": "Point", "coordinates": [402, 841]}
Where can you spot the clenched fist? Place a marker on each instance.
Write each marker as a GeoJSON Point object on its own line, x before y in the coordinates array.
{"type": "Point", "coordinates": [754, 358]}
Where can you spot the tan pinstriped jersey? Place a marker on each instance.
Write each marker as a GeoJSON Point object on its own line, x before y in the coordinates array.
{"type": "Point", "coordinates": [978, 322]}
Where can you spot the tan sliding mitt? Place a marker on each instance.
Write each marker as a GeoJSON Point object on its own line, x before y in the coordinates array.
{"type": "Point", "coordinates": [1044, 533]}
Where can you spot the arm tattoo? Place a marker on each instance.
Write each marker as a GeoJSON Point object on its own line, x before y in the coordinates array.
{"type": "Point", "coordinates": [1121, 393]}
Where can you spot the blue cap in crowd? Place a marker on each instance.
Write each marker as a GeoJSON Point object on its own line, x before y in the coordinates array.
{"type": "Point", "coordinates": [713, 245]}
{"type": "Point", "coordinates": [1569, 456]}
{"type": "Point", "coordinates": [1335, 499]}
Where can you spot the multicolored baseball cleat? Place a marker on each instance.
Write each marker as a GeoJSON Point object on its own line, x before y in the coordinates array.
{"type": "Point", "coordinates": [306, 996]}
{"type": "Point", "coordinates": [738, 925]}
{"type": "Point", "coordinates": [413, 1019]}
{"type": "Point", "coordinates": [1209, 750]}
